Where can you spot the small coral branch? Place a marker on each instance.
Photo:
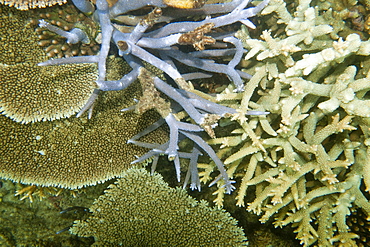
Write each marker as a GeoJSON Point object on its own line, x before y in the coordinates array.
{"type": "Point", "coordinates": [74, 36]}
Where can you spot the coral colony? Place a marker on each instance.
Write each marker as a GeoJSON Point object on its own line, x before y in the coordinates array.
{"type": "Point", "coordinates": [127, 210]}
{"type": "Point", "coordinates": [160, 47]}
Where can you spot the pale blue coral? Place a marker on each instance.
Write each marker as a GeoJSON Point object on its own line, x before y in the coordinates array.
{"type": "Point", "coordinates": [138, 46]}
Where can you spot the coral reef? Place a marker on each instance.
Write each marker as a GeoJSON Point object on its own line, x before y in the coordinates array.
{"type": "Point", "coordinates": [76, 152]}
{"type": "Point", "coordinates": [36, 224]}
{"type": "Point", "coordinates": [142, 45]}
{"type": "Point", "coordinates": [152, 213]}
{"type": "Point", "coordinates": [346, 17]}
{"type": "Point", "coordinates": [301, 158]}
{"type": "Point", "coordinates": [307, 161]}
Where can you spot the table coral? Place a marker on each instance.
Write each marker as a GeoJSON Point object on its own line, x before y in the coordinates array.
{"type": "Point", "coordinates": [307, 162]}
{"type": "Point", "coordinates": [30, 93]}
{"type": "Point", "coordinates": [151, 213]}
{"type": "Point", "coordinates": [75, 152]}
{"type": "Point", "coordinates": [27, 97]}
{"type": "Point", "coordinates": [67, 153]}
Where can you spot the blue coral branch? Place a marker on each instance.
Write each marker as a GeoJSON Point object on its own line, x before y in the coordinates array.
{"type": "Point", "coordinates": [73, 37]}
{"type": "Point", "coordinates": [158, 48]}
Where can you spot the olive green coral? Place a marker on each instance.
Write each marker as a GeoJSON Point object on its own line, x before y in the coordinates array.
{"type": "Point", "coordinates": [75, 152]}
{"type": "Point", "coordinates": [18, 42]}
{"type": "Point", "coordinates": [71, 152]}
{"type": "Point", "coordinates": [142, 210]}
{"type": "Point", "coordinates": [28, 92]}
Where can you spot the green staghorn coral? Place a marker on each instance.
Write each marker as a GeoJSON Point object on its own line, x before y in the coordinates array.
{"type": "Point", "coordinates": [150, 213]}
{"type": "Point", "coordinates": [308, 161]}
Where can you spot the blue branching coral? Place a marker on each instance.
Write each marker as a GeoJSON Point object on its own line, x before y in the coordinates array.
{"type": "Point", "coordinates": [161, 47]}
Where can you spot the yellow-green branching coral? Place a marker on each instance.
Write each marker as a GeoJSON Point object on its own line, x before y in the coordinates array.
{"type": "Point", "coordinates": [142, 210]}
{"type": "Point", "coordinates": [307, 159]}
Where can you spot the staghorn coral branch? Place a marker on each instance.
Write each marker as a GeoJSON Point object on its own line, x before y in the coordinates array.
{"type": "Point", "coordinates": [202, 144]}
{"type": "Point", "coordinates": [238, 14]}
{"type": "Point", "coordinates": [192, 172]}
{"type": "Point", "coordinates": [124, 6]}
{"type": "Point", "coordinates": [107, 30]}
{"type": "Point", "coordinates": [74, 36]}
{"type": "Point", "coordinates": [70, 60]}
{"type": "Point", "coordinates": [207, 66]}
{"type": "Point", "coordinates": [84, 6]}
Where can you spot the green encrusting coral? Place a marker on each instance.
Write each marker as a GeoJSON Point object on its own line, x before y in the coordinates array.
{"type": "Point", "coordinates": [142, 210]}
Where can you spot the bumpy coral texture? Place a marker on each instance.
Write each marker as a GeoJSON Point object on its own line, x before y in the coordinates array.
{"type": "Point", "coordinates": [31, 4]}
{"type": "Point", "coordinates": [307, 162]}
{"type": "Point", "coordinates": [64, 17]}
{"type": "Point", "coordinates": [150, 213]}
{"type": "Point", "coordinates": [67, 153]}
{"type": "Point", "coordinates": [75, 152]}
{"type": "Point", "coordinates": [30, 93]}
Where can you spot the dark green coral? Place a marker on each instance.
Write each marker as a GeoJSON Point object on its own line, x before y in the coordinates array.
{"type": "Point", "coordinates": [142, 210]}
